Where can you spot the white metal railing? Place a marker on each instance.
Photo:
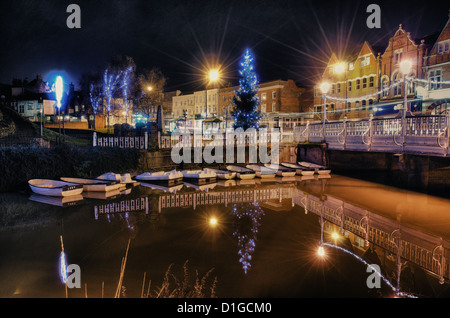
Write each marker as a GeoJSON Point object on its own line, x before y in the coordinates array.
{"type": "Point", "coordinates": [430, 133]}
{"type": "Point", "coordinates": [139, 142]}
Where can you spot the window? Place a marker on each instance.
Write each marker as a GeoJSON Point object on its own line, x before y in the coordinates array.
{"type": "Point", "coordinates": [371, 81]}
{"type": "Point", "coordinates": [21, 108]}
{"type": "Point", "coordinates": [274, 95]}
{"type": "Point", "coordinates": [263, 96]}
{"type": "Point", "coordinates": [365, 60]}
{"type": "Point", "coordinates": [397, 89]}
{"type": "Point", "coordinates": [274, 107]}
{"type": "Point", "coordinates": [351, 66]}
{"type": "Point", "coordinates": [446, 47]}
{"type": "Point", "coordinates": [357, 105]}
{"type": "Point", "coordinates": [349, 106]}
{"type": "Point", "coordinates": [30, 106]}
{"type": "Point", "coordinates": [339, 87]}
{"type": "Point", "coordinates": [349, 86]}
{"type": "Point", "coordinates": [363, 105]}
{"type": "Point", "coordinates": [370, 104]}
{"type": "Point", "coordinates": [397, 57]}
{"type": "Point", "coordinates": [263, 108]}
{"type": "Point", "coordinates": [384, 86]}
{"type": "Point", "coordinates": [358, 84]}
{"type": "Point", "coordinates": [333, 88]}
{"type": "Point", "coordinates": [434, 79]}
{"type": "Point", "coordinates": [364, 82]}
{"type": "Point", "coordinates": [440, 48]}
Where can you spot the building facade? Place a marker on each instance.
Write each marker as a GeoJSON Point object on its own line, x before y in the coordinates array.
{"type": "Point", "coordinates": [436, 71]}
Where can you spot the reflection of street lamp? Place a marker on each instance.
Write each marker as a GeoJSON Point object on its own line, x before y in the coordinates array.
{"type": "Point", "coordinates": [405, 68]}
{"type": "Point", "coordinates": [324, 87]}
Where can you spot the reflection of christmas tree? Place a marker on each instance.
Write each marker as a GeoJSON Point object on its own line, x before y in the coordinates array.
{"type": "Point", "coordinates": [245, 113]}
{"type": "Point", "coordinates": [247, 221]}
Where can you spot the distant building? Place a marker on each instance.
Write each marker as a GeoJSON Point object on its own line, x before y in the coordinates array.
{"type": "Point", "coordinates": [436, 69]}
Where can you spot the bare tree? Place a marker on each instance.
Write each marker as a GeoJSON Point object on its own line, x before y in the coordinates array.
{"type": "Point", "coordinates": [149, 95]}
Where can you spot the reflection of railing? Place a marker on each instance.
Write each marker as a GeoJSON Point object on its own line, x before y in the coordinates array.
{"type": "Point", "coordinates": [423, 134]}
{"type": "Point", "coordinates": [122, 206]}
{"type": "Point", "coordinates": [428, 251]}
{"type": "Point", "coordinates": [225, 197]}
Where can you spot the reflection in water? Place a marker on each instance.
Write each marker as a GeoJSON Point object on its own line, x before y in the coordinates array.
{"type": "Point", "coordinates": [247, 222]}
{"type": "Point", "coordinates": [373, 222]}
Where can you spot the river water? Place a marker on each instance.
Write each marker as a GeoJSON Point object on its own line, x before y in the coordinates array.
{"type": "Point", "coordinates": [240, 239]}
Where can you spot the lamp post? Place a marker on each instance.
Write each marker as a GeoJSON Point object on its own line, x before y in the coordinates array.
{"type": "Point", "coordinates": [405, 68]}
{"type": "Point", "coordinates": [339, 69]}
{"type": "Point", "coordinates": [213, 76]}
{"type": "Point", "coordinates": [324, 87]}
{"type": "Point", "coordinates": [59, 92]}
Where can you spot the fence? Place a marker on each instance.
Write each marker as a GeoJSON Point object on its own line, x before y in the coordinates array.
{"type": "Point", "coordinates": [415, 134]}
{"type": "Point", "coordinates": [139, 142]}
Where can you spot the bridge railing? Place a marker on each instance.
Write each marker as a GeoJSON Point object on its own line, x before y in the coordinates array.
{"type": "Point", "coordinates": [416, 134]}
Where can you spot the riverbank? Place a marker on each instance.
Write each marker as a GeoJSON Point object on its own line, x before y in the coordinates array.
{"type": "Point", "coordinates": [20, 164]}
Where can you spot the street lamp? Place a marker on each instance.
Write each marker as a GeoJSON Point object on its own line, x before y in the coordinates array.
{"type": "Point", "coordinates": [405, 68]}
{"type": "Point", "coordinates": [324, 87]}
{"type": "Point", "coordinates": [213, 76]}
{"type": "Point", "coordinates": [59, 93]}
{"type": "Point", "coordinates": [339, 69]}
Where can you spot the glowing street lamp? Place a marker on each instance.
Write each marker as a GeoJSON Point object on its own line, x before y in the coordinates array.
{"type": "Point", "coordinates": [213, 77]}
{"type": "Point", "coordinates": [405, 69]}
{"type": "Point", "coordinates": [324, 87]}
{"type": "Point", "coordinates": [59, 94]}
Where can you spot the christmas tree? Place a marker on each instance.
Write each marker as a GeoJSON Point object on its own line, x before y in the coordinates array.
{"type": "Point", "coordinates": [246, 102]}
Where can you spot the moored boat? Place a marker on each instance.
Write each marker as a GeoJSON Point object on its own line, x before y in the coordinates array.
{"type": "Point", "coordinates": [300, 170]}
{"type": "Point", "coordinates": [172, 177]}
{"type": "Point", "coordinates": [54, 188]}
{"type": "Point", "coordinates": [262, 171]}
{"type": "Point", "coordinates": [242, 173]}
{"type": "Point", "coordinates": [319, 169]}
{"type": "Point", "coordinates": [94, 185]}
{"type": "Point", "coordinates": [124, 179]}
{"type": "Point", "coordinates": [224, 174]}
{"type": "Point", "coordinates": [281, 171]}
{"type": "Point", "coordinates": [203, 176]}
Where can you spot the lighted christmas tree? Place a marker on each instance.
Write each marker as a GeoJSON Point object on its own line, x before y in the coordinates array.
{"type": "Point", "coordinates": [246, 102]}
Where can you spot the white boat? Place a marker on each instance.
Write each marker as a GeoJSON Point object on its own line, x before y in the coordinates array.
{"type": "Point", "coordinates": [242, 173]}
{"type": "Point", "coordinates": [205, 175]}
{"type": "Point", "coordinates": [227, 183]}
{"type": "Point", "coordinates": [124, 179]}
{"type": "Point", "coordinates": [94, 185]}
{"type": "Point", "coordinates": [262, 171]}
{"type": "Point", "coordinates": [54, 188]}
{"type": "Point", "coordinates": [300, 170]}
{"type": "Point", "coordinates": [281, 171]}
{"type": "Point", "coordinates": [319, 169]}
{"type": "Point", "coordinates": [57, 201]}
{"type": "Point", "coordinates": [224, 174]}
{"type": "Point", "coordinates": [172, 177]}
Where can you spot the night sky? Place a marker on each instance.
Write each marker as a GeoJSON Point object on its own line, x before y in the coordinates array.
{"type": "Point", "coordinates": [291, 39]}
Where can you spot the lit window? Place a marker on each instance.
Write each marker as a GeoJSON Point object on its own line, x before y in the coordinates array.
{"type": "Point", "coordinates": [434, 79]}
{"type": "Point", "coordinates": [263, 96]}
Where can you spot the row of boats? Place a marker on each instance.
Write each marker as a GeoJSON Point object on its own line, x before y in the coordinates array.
{"type": "Point", "coordinates": [108, 182]}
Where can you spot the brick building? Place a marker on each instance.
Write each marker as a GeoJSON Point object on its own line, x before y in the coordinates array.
{"type": "Point", "coordinates": [436, 69]}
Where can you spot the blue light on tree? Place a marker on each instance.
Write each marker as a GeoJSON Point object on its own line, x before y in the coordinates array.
{"type": "Point", "coordinates": [246, 102]}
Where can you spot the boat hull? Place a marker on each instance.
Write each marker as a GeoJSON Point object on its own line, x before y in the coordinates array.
{"type": "Point", "coordinates": [55, 188]}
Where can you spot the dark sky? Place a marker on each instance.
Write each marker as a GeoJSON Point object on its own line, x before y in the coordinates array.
{"type": "Point", "coordinates": [291, 39]}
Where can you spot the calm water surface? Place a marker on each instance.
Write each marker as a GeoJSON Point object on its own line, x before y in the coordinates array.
{"type": "Point", "coordinates": [257, 239]}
